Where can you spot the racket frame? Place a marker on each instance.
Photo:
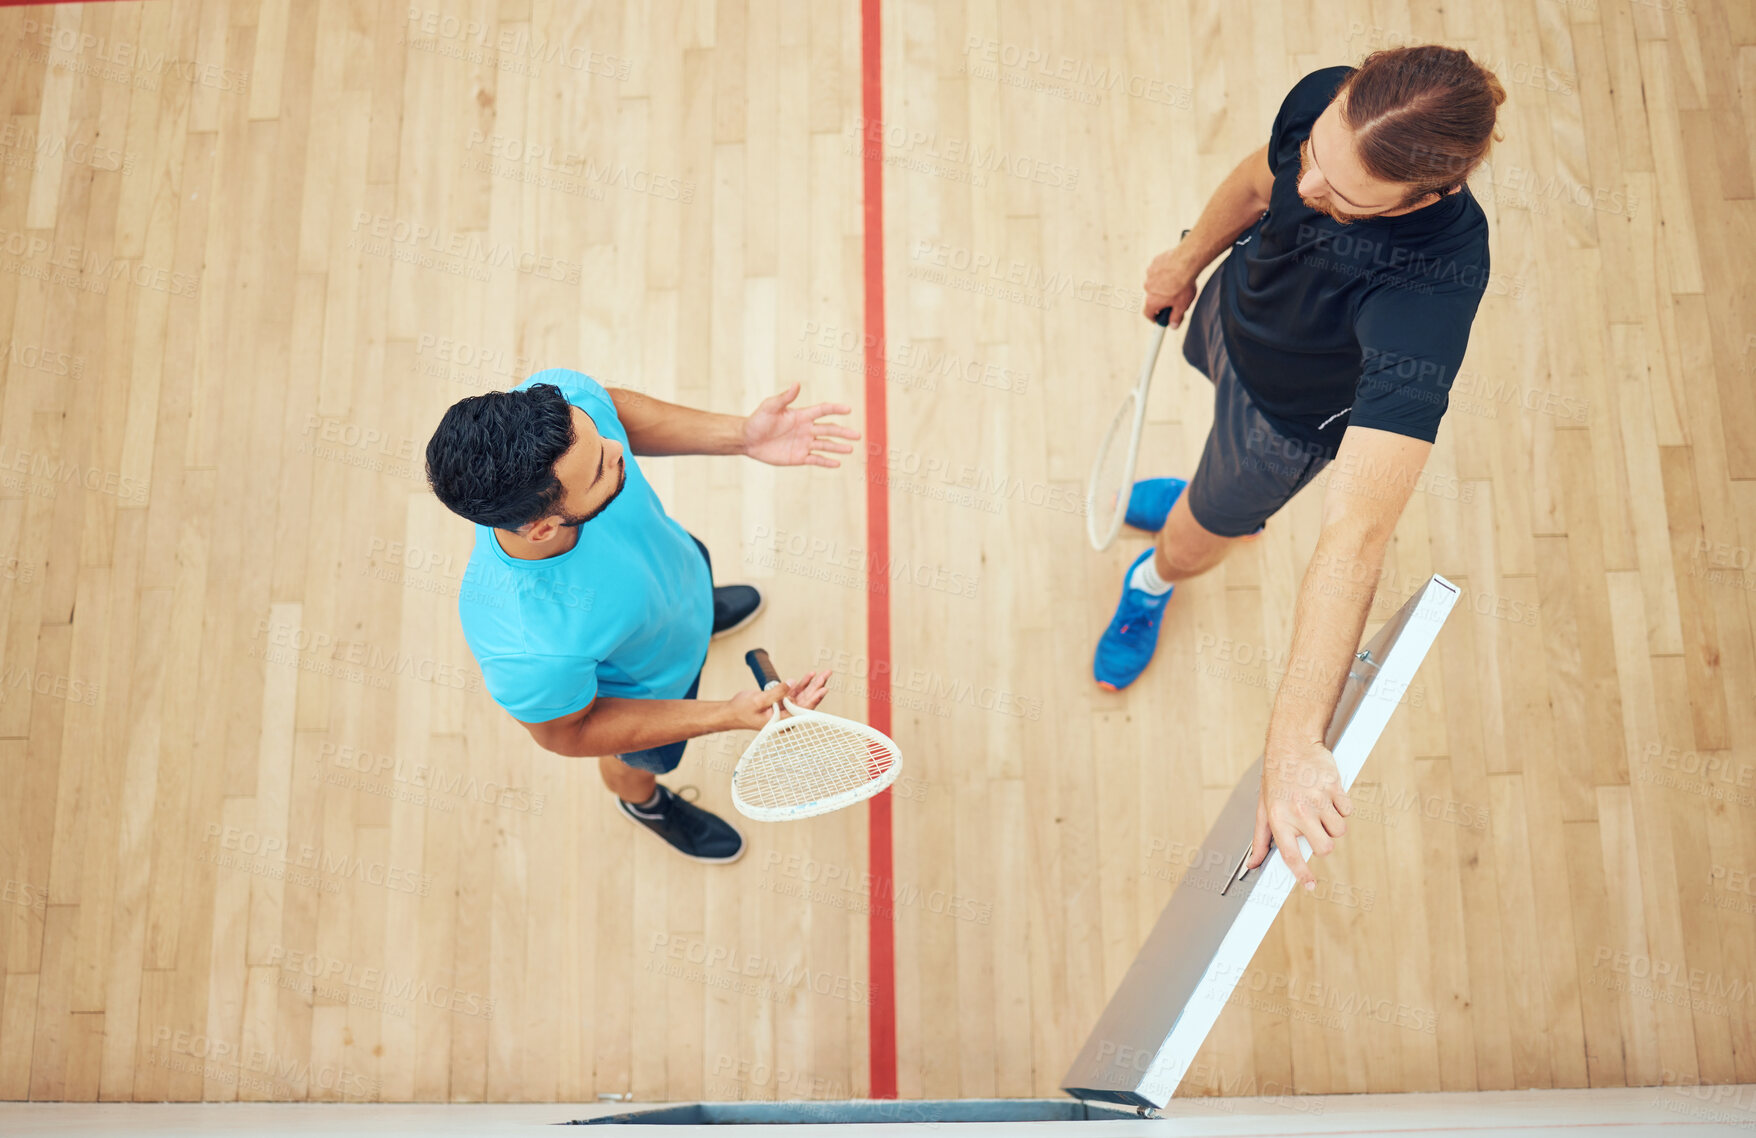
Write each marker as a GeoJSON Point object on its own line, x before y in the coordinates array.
{"type": "Point", "coordinates": [768, 677]}
{"type": "Point", "coordinates": [1100, 533]}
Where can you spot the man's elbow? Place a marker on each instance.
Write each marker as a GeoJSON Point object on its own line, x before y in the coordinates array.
{"type": "Point", "coordinates": [573, 747]}
{"type": "Point", "coordinates": [1349, 536]}
{"type": "Point", "coordinates": [571, 737]}
{"type": "Point", "coordinates": [1363, 518]}
{"type": "Point", "coordinates": [554, 742]}
{"type": "Point", "coordinates": [1347, 562]}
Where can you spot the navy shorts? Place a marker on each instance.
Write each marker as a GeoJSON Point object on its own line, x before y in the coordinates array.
{"type": "Point", "coordinates": [1248, 469]}
{"type": "Point", "coordinates": [664, 760]}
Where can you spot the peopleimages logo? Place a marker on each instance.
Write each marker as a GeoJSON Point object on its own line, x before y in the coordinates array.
{"type": "Point", "coordinates": [1086, 80]}
{"type": "Point", "coordinates": [35, 471]}
{"type": "Point", "coordinates": [75, 266]}
{"type": "Point", "coordinates": [546, 157]}
{"type": "Point", "coordinates": [444, 350]}
{"type": "Point", "coordinates": [470, 254]}
{"type": "Point", "coordinates": [1358, 255]}
{"type": "Point", "coordinates": [271, 855]}
{"type": "Point", "coordinates": [16, 679]}
{"type": "Point", "coordinates": [723, 966]}
{"type": "Point", "coordinates": [75, 150]}
{"type": "Point", "coordinates": [38, 358]}
{"type": "Point", "coordinates": [256, 1068]}
{"type": "Point", "coordinates": [121, 60]}
{"type": "Point", "coordinates": [884, 682]}
{"type": "Point", "coordinates": [435, 780]}
{"type": "Point", "coordinates": [24, 894]}
{"type": "Point", "coordinates": [862, 568]}
{"type": "Point", "coordinates": [1660, 974]}
{"type": "Point", "coordinates": [826, 342]}
{"type": "Point", "coordinates": [285, 643]}
{"type": "Point", "coordinates": [513, 48]}
{"type": "Point", "coordinates": [1328, 997]}
{"type": "Point", "coordinates": [967, 153]}
{"type": "Point", "coordinates": [380, 981]}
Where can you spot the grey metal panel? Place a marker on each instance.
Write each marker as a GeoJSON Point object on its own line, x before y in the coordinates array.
{"type": "Point", "coordinates": [930, 1112]}
{"type": "Point", "coordinates": [1170, 967]}
{"type": "Point", "coordinates": [1203, 941]}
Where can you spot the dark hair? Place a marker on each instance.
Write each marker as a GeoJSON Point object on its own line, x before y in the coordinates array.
{"type": "Point", "coordinates": [492, 458]}
{"type": "Point", "coordinates": [1421, 116]}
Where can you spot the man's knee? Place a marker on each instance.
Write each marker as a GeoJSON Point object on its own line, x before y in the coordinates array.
{"type": "Point", "coordinates": [1178, 563]}
{"type": "Point", "coordinates": [1186, 548]}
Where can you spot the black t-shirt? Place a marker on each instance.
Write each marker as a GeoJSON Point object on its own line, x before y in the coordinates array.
{"type": "Point", "coordinates": [1365, 324]}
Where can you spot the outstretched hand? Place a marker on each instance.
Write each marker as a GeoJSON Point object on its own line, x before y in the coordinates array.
{"type": "Point", "coordinates": [781, 435]}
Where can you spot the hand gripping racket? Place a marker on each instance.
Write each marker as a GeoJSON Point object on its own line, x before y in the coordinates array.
{"type": "Point", "coordinates": [808, 763]}
{"type": "Point", "coordinates": [1112, 472]}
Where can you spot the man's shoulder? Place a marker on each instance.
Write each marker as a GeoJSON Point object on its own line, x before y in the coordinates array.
{"type": "Point", "coordinates": [1310, 95]}
{"type": "Point", "coordinates": [578, 387]}
{"type": "Point", "coordinates": [486, 606]}
{"type": "Point", "coordinates": [1453, 264]}
{"type": "Point", "coordinates": [517, 610]}
{"type": "Point", "coordinates": [1321, 83]}
{"type": "Point", "coordinates": [1307, 100]}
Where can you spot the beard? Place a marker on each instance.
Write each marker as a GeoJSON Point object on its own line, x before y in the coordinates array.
{"type": "Point", "coordinates": [621, 482]}
{"type": "Point", "coordinates": [1326, 210]}
{"type": "Point", "coordinates": [1319, 205]}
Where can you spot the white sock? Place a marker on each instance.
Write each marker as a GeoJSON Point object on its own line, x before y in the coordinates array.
{"type": "Point", "coordinates": [1145, 577]}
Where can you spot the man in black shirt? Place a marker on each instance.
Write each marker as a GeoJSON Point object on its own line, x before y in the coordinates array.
{"type": "Point", "coordinates": [1332, 334]}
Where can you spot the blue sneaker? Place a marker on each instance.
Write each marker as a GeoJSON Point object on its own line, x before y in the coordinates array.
{"type": "Point", "coordinates": [1126, 646]}
{"type": "Point", "coordinates": [1150, 502]}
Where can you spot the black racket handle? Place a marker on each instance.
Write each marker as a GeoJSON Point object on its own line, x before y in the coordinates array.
{"type": "Point", "coordinates": [761, 666]}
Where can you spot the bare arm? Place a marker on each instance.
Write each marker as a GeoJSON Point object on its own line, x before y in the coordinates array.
{"type": "Point", "coordinates": [612, 726]}
{"type": "Point", "coordinates": [659, 428]}
{"type": "Point", "coordinates": [609, 726]}
{"type": "Point", "coordinates": [1233, 208]}
{"type": "Point", "coordinates": [775, 433]}
{"type": "Point", "coordinates": [1370, 482]}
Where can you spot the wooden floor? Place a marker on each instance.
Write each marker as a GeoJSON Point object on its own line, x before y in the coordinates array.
{"type": "Point", "coordinates": [263, 835]}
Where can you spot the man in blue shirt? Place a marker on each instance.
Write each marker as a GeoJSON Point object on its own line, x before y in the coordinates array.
{"type": "Point", "coordinates": [587, 607]}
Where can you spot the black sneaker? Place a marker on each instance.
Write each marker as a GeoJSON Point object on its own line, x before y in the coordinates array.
{"type": "Point", "coordinates": [690, 830]}
{"type": "Point", "coordinates": [734, 606]}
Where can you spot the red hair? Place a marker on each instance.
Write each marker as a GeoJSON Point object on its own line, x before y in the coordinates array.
{"type": "Point", "coordinates": [1421, 116]}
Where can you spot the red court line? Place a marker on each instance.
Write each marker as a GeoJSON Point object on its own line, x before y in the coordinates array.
{"type": "Point", "coordinates": [881, 920]}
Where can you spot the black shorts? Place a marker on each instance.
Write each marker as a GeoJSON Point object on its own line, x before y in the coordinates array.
{"type": "Point", "coordinates": [664, 760]}
{"type": "Point", "coordinates": [1248, 469]}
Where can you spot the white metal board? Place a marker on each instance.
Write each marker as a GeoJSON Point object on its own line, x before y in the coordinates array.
{"type": "Point", "coordinates": [1204, 940]}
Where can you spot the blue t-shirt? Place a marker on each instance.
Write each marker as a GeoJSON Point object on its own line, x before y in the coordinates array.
{"type": "Point", "coordinates": [627, 612]}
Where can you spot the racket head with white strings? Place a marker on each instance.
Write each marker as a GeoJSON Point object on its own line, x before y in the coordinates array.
{"type": "Point", "coordinates": [808, 762]}
{"type": "Point", "coordinates": [1112, 472]}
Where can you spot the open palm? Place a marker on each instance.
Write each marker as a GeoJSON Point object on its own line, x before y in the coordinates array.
{"type": "Point", "coordinates": [781, 435]}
